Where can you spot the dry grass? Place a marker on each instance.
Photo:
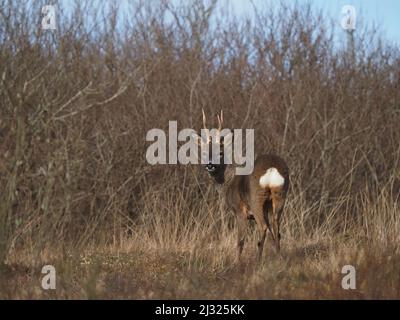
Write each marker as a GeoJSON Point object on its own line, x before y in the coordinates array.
{"type": "Point", "coordinates": [190, 266]}
{"type": "Point", "coordinates": [76, 191]}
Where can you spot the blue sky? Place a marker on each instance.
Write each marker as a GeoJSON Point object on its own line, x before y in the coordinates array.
{"type": "Point", "coordinates": [382, 13]}
{"type": "Point", "coordinates": [385, 14]}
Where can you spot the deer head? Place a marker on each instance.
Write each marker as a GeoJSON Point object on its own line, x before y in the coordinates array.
{"type": "Point", "coordinates": [213, 148]}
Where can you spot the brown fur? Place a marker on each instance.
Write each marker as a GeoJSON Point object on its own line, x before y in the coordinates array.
{"type": "Point", "coordinates": [248, 199]}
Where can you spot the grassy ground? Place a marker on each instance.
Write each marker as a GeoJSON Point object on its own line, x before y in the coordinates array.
{"type": "Point", "coordinates": [310, 272]}
{"type": "Point", "coordinates": [142, 267]}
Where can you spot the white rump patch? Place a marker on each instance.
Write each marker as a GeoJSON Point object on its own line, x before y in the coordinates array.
{"type": "Point", "coordinates": [271, 178]}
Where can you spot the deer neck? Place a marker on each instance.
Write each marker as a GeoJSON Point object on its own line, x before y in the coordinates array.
{"type": "Point", "coordinates": [229, 174]}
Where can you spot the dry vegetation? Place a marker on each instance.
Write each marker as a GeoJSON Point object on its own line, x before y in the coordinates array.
{"type": "Point", "coordinates": [76, 191]}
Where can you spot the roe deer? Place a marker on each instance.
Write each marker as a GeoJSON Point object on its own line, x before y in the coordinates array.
{"type": "Point", "coordinates": [260, 195]}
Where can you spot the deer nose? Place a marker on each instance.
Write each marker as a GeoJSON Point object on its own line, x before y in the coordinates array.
{"type": "Point", "coordinates": [210, 166]}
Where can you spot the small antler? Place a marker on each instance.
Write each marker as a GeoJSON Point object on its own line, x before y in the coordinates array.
{"type": "Point", "coordinates": [205, 127]}
{"type": "Point", "coordinates": [220, 123]}
{"type": "Point", "coordinates": [220, 120]}
{"type": "Point", "coordinates": [204, 118]}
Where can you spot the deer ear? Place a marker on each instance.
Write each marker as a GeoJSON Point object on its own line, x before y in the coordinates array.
{"type": "Point", "coordinates": [227, 138]}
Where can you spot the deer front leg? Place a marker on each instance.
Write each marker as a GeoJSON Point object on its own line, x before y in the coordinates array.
{"type": "Point", "coordinates": [241, 223]}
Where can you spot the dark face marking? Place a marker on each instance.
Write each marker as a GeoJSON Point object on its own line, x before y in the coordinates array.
{"type": "Point", "coordinates": [216, 170]}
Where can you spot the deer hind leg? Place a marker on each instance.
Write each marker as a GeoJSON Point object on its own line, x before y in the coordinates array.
{"type": "Point", "coordinates": [262, 227]}
{"type": "Point", "coordinates": [268, 214]}
{"type": "Point", "coordinates": [277, 208]}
